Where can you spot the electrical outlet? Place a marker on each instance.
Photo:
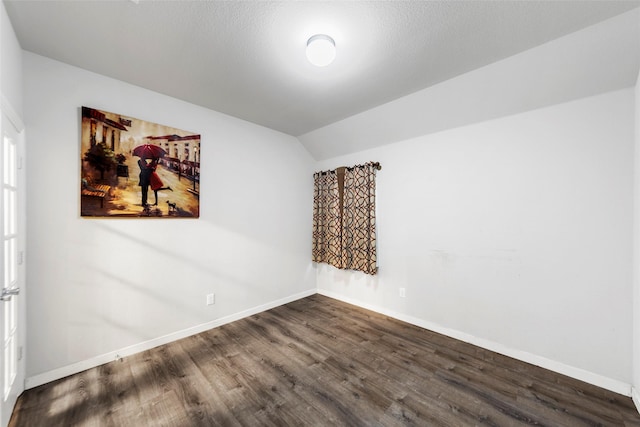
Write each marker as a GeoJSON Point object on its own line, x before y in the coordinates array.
{"type": "Point", "coordinates": [403, 293]}
{"type": "Point", "coordinates": [211, 299]}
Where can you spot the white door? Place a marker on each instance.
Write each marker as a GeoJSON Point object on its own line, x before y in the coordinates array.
{"type": "Point", "coordinates": [12, 207]}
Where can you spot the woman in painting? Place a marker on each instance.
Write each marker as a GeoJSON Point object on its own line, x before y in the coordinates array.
{"type": "Point", "coordinates": [155, 181]}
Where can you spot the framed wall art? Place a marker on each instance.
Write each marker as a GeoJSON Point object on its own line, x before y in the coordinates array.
{"type": "Point", "coordinates": [134, 168]}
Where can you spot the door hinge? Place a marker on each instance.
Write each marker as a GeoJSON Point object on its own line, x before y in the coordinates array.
{"type": "Point", "coordinates": [20, 353]}
{"type": "Point", "coordinates": [20, 257]}
{"type": "Point", "coordinates": [19, 162]}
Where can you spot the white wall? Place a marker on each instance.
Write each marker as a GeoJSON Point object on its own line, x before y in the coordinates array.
{"type": "Point", "coordinates": [513, 233]}
{"type": "Point", "coordinates": [100, 286]}
{"type": "Point", "coordinates": [10, 64]}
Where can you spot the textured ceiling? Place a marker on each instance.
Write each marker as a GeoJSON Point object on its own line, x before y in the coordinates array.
{"type": "Point", "coordinates": [247, 59]}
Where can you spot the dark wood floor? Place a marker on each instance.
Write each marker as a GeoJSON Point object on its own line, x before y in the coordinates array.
{"type": "Point", "coordinates": [320, 362]}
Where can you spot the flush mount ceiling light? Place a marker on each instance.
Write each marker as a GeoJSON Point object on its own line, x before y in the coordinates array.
{"type": "Point", "coordinates": [321, 50]}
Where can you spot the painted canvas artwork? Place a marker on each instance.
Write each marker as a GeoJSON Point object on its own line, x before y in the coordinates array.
{"type": "Point", "coordinates": [134, 168]}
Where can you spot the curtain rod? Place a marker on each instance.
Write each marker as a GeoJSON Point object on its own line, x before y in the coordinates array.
{"type": "Point", "coordinates": [376, 165]}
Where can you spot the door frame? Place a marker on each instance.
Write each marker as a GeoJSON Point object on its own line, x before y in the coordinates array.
{"type": "Point", "coordinates": [17, 131]}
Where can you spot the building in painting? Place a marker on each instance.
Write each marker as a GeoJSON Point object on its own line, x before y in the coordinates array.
{"type": "Point", "coordinates": [102, 127]}
{"type": "Point", "coordinates": [183, 154]}
{"type": "Point", "coordinates": [101, 143]}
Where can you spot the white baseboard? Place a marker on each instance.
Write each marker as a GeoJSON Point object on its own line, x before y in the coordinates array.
{"type": "Point", "coordinates": [55, 374]}
{"type": "Point", "coordinates": [616, 386]}
{"type": "Point", "coordinates": [635, 395]}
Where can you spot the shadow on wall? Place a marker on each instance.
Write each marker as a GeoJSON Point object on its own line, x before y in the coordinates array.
{"type": "Point", "coordinates": [179, 260]}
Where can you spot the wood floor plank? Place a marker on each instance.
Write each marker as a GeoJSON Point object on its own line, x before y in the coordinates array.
{"type": "Point", "coordinates": [320, 362]}
{"type": "Point", "coordinates": [309, 377]}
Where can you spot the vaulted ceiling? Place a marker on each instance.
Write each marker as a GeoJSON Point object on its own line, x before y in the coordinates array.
{"type": "Point", "coordinates": [247, 59]}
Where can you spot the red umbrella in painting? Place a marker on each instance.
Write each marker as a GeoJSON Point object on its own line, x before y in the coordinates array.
{"type": "Point", "coordinates": [149, 151]}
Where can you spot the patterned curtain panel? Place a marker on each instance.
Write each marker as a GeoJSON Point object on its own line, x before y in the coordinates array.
{"type": "Point", "coordinates": [344, 218]}
{"type": "Point", "coordinates": [359, 219]}
{"type": "Point", "coordinates": [327, 223]}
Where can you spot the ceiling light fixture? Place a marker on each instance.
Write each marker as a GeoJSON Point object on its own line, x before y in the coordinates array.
{"type": "Point", "coordinates": [321, 50]}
